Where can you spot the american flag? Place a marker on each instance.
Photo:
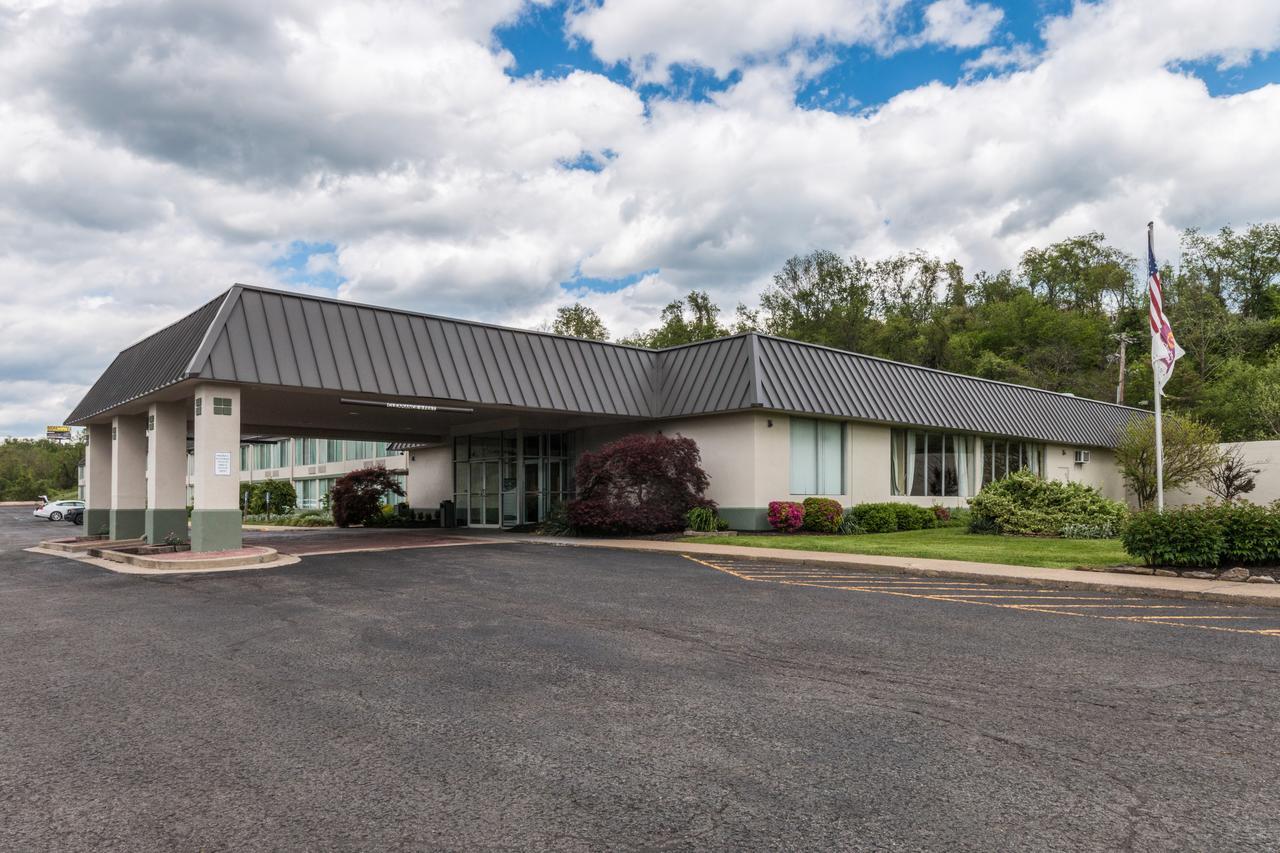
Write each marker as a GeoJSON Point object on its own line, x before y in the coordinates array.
{"type": "Point", "coordinates": [1164, 347]}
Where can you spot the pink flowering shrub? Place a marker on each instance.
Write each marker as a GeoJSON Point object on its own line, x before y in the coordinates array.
{"type": "Point", "coordinates": [786, 516]}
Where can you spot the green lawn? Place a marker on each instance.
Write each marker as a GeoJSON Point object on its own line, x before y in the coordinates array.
{"type": "Point", "coordinates": [950, 543]}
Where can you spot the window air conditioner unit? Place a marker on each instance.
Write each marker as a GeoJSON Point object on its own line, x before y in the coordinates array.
{"type": "Point", "coordinates": [1082, 456]}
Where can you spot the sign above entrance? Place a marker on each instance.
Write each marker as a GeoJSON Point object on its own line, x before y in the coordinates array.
{"type": "Point", "coordinates": [417, 407]}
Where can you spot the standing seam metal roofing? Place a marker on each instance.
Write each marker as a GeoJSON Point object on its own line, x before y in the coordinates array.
{"type": "Point", "coordinates": [262, 336]}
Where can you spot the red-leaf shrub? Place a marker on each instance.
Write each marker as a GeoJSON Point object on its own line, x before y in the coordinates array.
{"type": "Point", "coordinates": [822, 515]}
{"type": "Point", "coordinates": [786, 516]}
{"type": "Point", "coordinates": [941, 513]}
{"type": "Point", "coordinates": [357, 497]}
{"type": "Point", "coordinates": [639, 484]}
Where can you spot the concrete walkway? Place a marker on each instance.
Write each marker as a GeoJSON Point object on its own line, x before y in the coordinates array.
{"type": "Point", "coordinates": [1265, 595]}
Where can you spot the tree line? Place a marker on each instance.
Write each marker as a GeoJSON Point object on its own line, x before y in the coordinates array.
{"type": "Point", "coordinates": [30, 468]}
{"type": "Point", "coordinates": [1055, 321]}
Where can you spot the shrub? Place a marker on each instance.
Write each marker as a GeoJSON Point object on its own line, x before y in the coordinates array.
{"type": "Point", "coordinates": [941, 513]}
{"type": "Point", "coordinates": [1088, 531]}
{"type": "Point", "coordinates": [1023, 504]}
{"type": "Point", "coordinates": [357, 497]}
{"type": "Point", "coordinates": [822, 515]}
{"type": "Point", "coordinates": [639, 484]}
{"type": "Point", "coordinates": [556, 522]}
{"type": "Point", "coordinates": [849, 525]}
{"type": "Point", "coordinates": [1190, 536]}
{"type": "Point", "coordinates": [875, 518]}
{"type": "Point", "coordinates": [253, 497]}
{"type": "Point", "coordinates": [1250, 533]}
{"type": "Point", "coordinates": [786, 516]}
{"type": "Point", "coordinates": [891, 516]}
{"type": "Point", "coordinates": [704, 520]}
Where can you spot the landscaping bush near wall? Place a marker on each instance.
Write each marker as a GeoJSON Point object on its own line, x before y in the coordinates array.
{"type": "Point", "coordinates": [1205, 536]}
{"type": "Point", "coordinates": [284, 498]}
{"type": "Point", "coordinates": [822, 515]}
{"type": "Point", "coordinates": [1023, 504]}
{"type": "Point", "coordinates": [892, 516]}
{"type": "Point", "coordinates": [786, 516]}
{"type": "Point", "coordinates": [639, 484]}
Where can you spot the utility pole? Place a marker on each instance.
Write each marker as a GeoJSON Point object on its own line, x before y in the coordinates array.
{"type": "Point", "coordinates": [1124, 338]}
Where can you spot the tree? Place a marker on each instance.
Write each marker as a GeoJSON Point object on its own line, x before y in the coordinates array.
{"type": "Point", "coordinates": [639, 484]}
{"type": "Point", "coordinates": [699, 324]}
{"type": "Point", "coordinates": [253, 497]}
{"type": "Point", "coordinates": [1232, 475]}
{"type": "Point", "coordinates": [824, 299]}
{"type": "Point", "coordinates": [1190, 452]}
{"type": "Point", "coordinates": [1243, 268]}
{"type": "Point", "coordinates": [357, 497]}
{"type": "Point", "coordinates": [579, 321]}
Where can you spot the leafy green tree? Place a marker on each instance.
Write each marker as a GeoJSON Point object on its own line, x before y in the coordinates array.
{"type": "Point", "coordinates": [824, 299]}
{"type": "Point", "coordinates": [1242, 268]}
{"type": "Point", "coordinates": [579, 321]}
{"type": "Point", "coordinates": [1190, 454]}
{"type": "Point", "coordinates": [684, 321]}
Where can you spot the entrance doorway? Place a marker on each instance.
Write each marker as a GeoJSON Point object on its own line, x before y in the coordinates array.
{"type": "Point", "coordinates": [504, 479]}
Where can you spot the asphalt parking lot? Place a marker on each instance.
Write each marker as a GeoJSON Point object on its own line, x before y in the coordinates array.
{"type": "Point", "coordinates": [528, 696]}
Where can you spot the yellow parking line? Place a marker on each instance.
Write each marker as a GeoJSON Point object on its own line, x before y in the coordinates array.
{"type": "Point", "coordinates": [1169, 621]}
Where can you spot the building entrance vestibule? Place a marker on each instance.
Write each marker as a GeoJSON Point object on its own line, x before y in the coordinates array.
{"type": "Point", "coordinates": [508, 478]}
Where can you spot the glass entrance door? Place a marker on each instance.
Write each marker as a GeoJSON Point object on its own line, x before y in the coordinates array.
{"type": "Point", "coordinates": [509, 478]}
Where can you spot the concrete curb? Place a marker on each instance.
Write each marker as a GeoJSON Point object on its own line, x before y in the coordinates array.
{"type": "Point", "coordinates": [179, 564]}
{"type": "Point", "coordinates": [85, 545]}
{"type": "Point", "coordinates": [1114, 582]}
{"type": "Point", "coordinates": [119, 568]}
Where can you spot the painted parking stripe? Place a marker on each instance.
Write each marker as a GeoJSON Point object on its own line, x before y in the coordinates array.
{"type": "Point", "coordinates": [1058, 604]}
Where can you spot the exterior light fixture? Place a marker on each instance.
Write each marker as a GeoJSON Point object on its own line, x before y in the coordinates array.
{"type": "Point", "coordinates": [416, 407]}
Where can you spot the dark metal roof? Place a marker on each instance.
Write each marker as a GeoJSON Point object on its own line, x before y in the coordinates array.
{"type": "Point", "coordinates": [152, 363]}
{"type": "Point", "coordinates": [799, 377]}
{"type": "Point", "coordinates": [268, 337]}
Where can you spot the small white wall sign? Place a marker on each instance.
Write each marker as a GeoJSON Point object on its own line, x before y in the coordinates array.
{"type": "Point", "coordinates": [222, 464]}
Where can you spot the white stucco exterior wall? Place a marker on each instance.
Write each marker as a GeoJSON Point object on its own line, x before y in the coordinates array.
{"type": "Point", "coordinates": [748, 457]}
{"type": "Point", "coordinates": [430, 479]}
{"type": "Point", "coordinates": [1259, 454]}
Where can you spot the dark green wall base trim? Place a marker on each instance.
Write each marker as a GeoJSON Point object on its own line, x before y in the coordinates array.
{"type": "Point", "coordinates": [97, 521]}
{"type": "Point", "coordinates": [162, 522]}
{"type": "Point", "coordinates": [128, 523]}
{"type": "Point", "coordinates": [745, 517]}
{"type": "Point", "coordinates": [215, 529]}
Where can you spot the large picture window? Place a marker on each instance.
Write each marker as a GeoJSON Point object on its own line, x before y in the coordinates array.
{"type": "Point", "coordinates": [817, 457]}
{"type": "Point", "coordinates": [1001, 457]}
{"type": "Point", "coordinates": [931, 464]}
{"type": "Point", "coordinates": [943, 464]}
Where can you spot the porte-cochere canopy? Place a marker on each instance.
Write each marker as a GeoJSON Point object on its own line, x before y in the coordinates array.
{"type": "Point", "coordinates": [273, 341]}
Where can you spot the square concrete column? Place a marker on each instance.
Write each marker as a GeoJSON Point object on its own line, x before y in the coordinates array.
{"type": "Point", "coordinates": [128, 476]}
{"type": "Point", "coordinates": [215, 522]}
{"type": "Point", "coordinates": [97, 480]}
{"type": "Point", "coordinates": [167, 472]}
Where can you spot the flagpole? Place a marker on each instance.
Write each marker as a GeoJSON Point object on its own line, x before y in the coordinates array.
{"type": "Point", "coordinates": [1155, 372]}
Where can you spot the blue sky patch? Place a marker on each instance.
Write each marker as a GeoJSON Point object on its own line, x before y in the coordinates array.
{"type": "Point", "coordinates": [309, 264]}
{"type": "Point", "coordinates": [579, 282]}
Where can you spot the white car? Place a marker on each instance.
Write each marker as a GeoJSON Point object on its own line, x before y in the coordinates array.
{"type": "Point", "coordinates": [56, 510]}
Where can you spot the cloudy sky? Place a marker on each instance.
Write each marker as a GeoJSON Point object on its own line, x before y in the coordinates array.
{"type": "Point", "coordinates": [494, 159]}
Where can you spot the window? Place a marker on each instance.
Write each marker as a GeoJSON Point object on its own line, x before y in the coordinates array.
{"type": "Point", "coordinates": [1002, 456]}
{"type": "Point", "coordinates": [151, 423]}
{"type": "Point", "coordinates": [222, 405]}
{"type": "Point", "coordinates": [930, 464]}
{"type": "Point", "coordinates": [244, 457]}
{"type": "Point", "coordinates": [199, 404]}
{"type": "Point", "coordinates": [817, 457]}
